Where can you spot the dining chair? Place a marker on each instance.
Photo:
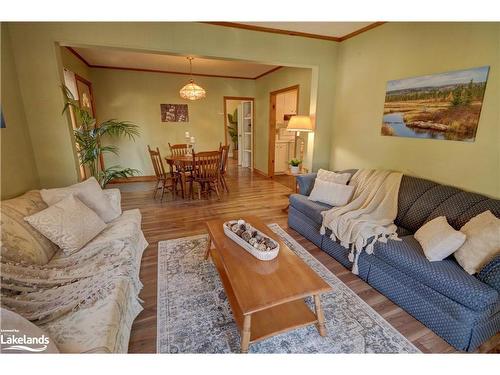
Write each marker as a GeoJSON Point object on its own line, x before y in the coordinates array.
{"type": "Point", "coordinates": [224, 150]}
{"type": "Point", "coordinates": [164, 180]}
{"type": "Point", "coordinates": [206, 172]}
{"type": "Point", "coordinates": [178, 149]}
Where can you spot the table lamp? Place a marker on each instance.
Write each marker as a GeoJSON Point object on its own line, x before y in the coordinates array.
{"type": "Point", "coordinates": [300, 124]}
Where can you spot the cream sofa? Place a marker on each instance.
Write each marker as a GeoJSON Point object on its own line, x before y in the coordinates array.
{"type": "Point", "coordinates": [104, 326]}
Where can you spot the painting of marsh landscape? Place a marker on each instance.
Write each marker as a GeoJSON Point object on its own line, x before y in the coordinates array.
{"type": "Point", "coordinates": [439, 106]}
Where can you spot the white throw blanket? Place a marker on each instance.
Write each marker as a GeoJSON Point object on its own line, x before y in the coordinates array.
{"type": "Point", "coordinates": [370, 213]}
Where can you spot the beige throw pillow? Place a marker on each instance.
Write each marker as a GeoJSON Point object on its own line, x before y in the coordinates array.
{"type": "Point", "coordinates": [89, 192]}
{"type": "Point", "coordinates": [482, 243]}
{"type": "Point", "coordinates": [20, 242]}
{"type": "Point", "coordinates": [68, 223]}
{"type": "Point", "coordinates": [331, 193]}
{"type": "Point", "coordinates": [339, 178]}
{"type": "Point", "coordinates": [438, 239]}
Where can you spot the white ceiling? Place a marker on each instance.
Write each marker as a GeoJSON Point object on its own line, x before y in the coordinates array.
{"type": "Point", "coordinates": [330, 29]}
{"type": "Point", "coordinates": [100, 56]}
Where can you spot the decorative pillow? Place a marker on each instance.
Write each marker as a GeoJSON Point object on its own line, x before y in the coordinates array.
{"type": "Point", "coordinates": [490, 274]}
{"type": "Point", "coordinates": [68, 223]}
{"type": "Point", "coordinates": [438, 239]}
{"type": "Point", "coordinates": [482, 243]}
{"type": "Point", "coordinates": [89, 192]}
{"type": "Point", "coordinates": [20, 243]}
{"type": "Point", "coordinates": [339, 178]}
{"type": "Point", "coordinates": [331, 193]}
{"type": "Point", "coordinates": [15, 326]}
{"type": "Point", "coordinates": [114, 197]}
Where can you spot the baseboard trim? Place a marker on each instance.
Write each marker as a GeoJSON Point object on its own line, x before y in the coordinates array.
{"type": "Point", "coordinates": [133, 179]}
{"type": "Point", "coordinates": [259, 172]}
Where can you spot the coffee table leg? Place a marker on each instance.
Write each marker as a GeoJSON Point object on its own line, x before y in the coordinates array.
{"type": "Point", "coordinates": [320, 316]}
{"type": "Point", "coordinates": [245, 335]}
{"type": "Point", "coordinates": [209, 245]}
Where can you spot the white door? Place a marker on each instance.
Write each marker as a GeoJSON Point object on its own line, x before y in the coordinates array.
{"type": "Point", "coordinates": [240, 133]}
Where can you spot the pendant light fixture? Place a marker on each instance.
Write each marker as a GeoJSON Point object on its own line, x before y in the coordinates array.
{"type": "Point", "coordinates": [192, 91]}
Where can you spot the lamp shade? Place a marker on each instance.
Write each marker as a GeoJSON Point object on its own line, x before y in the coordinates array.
{"type": "Point", "coordinates": [192, 91]}
{"type": "Point", "coordinates": [300, 124]}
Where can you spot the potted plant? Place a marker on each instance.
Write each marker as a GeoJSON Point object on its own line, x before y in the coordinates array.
{"type": "Point", "coordinates": [89, 136]}
{"type": "Point", "coordinates": [233, 131]}
{"type": "Point", "coordinates": [295, 165]}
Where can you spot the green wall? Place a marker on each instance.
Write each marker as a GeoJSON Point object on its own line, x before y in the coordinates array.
{"type": "Point", "coordinates": [18, 170]}
{"type": "Point", "coordinates": [347, 85]}
{"type": "Point", "coordinates": [136, 97]}
{"type": "Point", "coordinates": [400, 50]}
{"type": "Point", "coordinates": [280, 79]}
{"type": "Point", "coordinates": [38, 62]}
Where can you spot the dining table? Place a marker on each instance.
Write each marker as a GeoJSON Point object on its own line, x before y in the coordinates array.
{"type": "Point", "coordinates": [182, 164]}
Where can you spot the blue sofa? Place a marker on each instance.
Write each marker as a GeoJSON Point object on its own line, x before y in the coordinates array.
{"type": "Point", "coordinates": [463, 309]}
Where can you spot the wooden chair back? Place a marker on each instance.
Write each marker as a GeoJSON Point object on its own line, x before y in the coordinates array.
{"type": "Point", "coordinates": [207, 165]}
{"type": "Point", "coordinates": [157, 163]}
{"type": "Point", "coordinates": [224, 155]}
{"type": "Point", "coordinates": [178, 149]}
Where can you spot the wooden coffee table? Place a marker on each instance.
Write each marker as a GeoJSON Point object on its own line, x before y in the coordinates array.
{"type": "Point", "coordinates": [266, 297]}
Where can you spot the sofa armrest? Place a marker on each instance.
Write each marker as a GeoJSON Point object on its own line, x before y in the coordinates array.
{"type": "Point", "coordinates": [490, 274]}
{"type": "Point", "coordinates": [115, 199]}
{"type": "Point", "coordinates": [306, 183]}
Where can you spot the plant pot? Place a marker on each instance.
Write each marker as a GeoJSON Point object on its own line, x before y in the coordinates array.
{"type": "Point", "coordinates": [235, 154]}
{"type": "Point", "coordinates": [294, 169]}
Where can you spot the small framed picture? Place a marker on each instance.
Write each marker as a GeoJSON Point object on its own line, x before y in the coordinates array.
{"type": "Point", "coordinates": [174, 113]}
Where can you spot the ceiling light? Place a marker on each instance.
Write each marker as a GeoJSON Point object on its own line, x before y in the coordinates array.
{"type": "Point", "coordinates": [192, 91]}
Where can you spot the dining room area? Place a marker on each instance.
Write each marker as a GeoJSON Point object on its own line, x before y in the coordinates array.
{"type": "Point", "coordinates": [197, 122]}
{"type": "Point", "coordinates": [187, 174]}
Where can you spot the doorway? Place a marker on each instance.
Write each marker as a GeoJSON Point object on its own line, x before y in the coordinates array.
{"type": "Point", "coordinates": [239, 114]}
{"type": "Point", "coordinates": [283, 104]}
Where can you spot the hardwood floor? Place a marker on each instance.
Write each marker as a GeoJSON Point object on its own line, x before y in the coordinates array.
{"type": "Point", "coordinates": [256, 195]}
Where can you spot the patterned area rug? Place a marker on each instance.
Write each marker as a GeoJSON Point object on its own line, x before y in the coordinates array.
{"type": "Point", "coordinates": [194, 315]}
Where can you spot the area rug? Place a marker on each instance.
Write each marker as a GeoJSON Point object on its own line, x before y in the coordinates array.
{"type": "Point", "coordinates": [194, 315]}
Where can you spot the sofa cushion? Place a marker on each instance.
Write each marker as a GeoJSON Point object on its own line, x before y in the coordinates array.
{"type": "Point", "coordinates": [420, 201]}
{"type": "Point", "coordinates": [446, 276]}
{"type": "Point", "coordinates": [309, 208]}
{"type": "Point", "coordinates": [20, 242]}
{"type": "Point", "coordinates": [490, 274]}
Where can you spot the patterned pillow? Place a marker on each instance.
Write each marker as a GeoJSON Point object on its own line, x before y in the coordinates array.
{"type": "Point", "coordinates": [20, 242]}
{"type": "Point", "coordinates": [89, 192]}
{"type": "Point", "coordinates": [338, 178]}
{"type": "Point", "coordinates": [68, 223]}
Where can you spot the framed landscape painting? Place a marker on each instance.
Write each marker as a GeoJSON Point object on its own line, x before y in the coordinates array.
{"type": "Point", "coordinates": [440, 106]}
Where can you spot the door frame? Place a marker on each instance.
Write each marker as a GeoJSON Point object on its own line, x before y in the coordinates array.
{"type": "Point", "coordinates": [241, 98]}
{"type": "Point", "coordinates": [92, 103]}
{"type": "Point", "coordinates": [272, 124]}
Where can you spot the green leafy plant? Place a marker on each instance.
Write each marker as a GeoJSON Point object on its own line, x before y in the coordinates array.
{"type": "Point", "coordinates": [295, 162]}
{"type": "Point", "coordinates": [89, 136]}
{"type": "Point", "coordinates": [233, 128]}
